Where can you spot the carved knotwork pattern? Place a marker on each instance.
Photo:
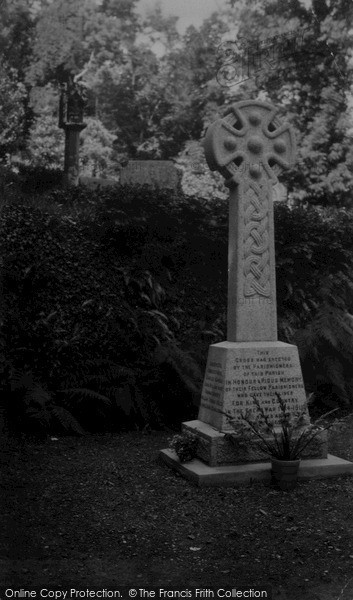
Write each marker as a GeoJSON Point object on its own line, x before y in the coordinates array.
{"type": "Point", "coordinates": [256, 240]}
{"type": "Point", "coordinates": [249, 142]}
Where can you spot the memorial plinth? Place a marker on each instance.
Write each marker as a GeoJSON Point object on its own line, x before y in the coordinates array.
{"type": "Point", "coordinates": [236, 372]}
{"type": "Point", "coordinates": [249, 147]}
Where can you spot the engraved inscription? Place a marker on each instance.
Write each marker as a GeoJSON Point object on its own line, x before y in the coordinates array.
{"type": "Point", "coordinates": [213, 387]}
{"type": "Point", "coordinates": [261, 373]}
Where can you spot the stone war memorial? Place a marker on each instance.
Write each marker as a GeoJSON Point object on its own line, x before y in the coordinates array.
{"type": "Point", "coordinates": [250, 147]}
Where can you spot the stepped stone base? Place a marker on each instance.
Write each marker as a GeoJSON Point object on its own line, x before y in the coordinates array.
{"type": "Point", "coordinates": [236, 373]}
{"type": "Point", "coordinates": [207, 476]}
{"type": "Point", "coordinates": [216, 448]}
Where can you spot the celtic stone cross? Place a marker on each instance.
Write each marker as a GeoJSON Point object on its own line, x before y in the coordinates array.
{"type": "Point", "coordinates": [250, 147]}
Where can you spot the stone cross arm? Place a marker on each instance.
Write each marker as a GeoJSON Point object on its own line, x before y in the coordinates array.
{"type": "Point", "coordinates": [249, 139]}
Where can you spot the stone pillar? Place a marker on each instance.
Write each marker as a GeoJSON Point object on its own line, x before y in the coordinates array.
{"type": "Point", "coordinates": [72, 154]}
{"type": "Point", "coordinates": [71, 109]}
{"type": "Point", "coordinates": [250, 147]}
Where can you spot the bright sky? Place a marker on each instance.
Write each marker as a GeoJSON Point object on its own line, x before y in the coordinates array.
{"type": "Point", "coordinates": [190, 12]}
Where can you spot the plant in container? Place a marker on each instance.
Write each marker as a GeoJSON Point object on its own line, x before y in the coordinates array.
{"type": "Point", "coordinates": [284, 442]}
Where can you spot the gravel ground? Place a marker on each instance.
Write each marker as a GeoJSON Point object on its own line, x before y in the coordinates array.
{"type": "Point", "coordinates": [102, 511]}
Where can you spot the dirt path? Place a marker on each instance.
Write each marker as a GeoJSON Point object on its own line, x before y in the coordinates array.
{"type": "Point", "coordinates": [101, 511]}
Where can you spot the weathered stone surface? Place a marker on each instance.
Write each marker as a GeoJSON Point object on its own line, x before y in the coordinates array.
{"type": "Point", "coordinates": [204, 475]}
{"type": "Point", "coordinates": [216, 448]}
{"type": "Point", "coordinates": [156, 173]}
{"type": "Point", "coordinates": [72, 154]}
{"type": "Point", "coordinates": [250, 147]}
{"type": "Point", "coordinates": [235, 372]}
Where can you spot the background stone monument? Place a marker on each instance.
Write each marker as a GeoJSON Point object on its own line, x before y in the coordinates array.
{"type": "Point", "coordinates": [156, 173]}
{"type": "Point", "coordinates": [249, 147]}
{"type": "Point", "coordinates": [71, 109]}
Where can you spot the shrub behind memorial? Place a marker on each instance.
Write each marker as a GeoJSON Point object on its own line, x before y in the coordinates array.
{"type": "Point", "coordinates": [112, 298]}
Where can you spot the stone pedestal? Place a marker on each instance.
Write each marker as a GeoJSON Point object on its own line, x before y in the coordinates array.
{"type": "Point", "coordinates": [218, 449]}
{"type": "Point", "coordinates": [197, 472]}
{"type": "Point", "coordinates": [235, 373]}
{"type": "Point", "coordinates": [238, 371]}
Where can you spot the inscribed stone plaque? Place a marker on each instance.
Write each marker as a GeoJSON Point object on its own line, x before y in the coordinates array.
{"type": "Point", "coordinates": [237, 372]}
{"type": "Point", "coordinates": [156, 173]}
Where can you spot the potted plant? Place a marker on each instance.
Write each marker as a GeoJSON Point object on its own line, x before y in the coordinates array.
{"type": "Point", "coordinates": [284, 443]}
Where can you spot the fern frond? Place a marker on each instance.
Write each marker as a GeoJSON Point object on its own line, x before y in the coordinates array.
{"type": "Point", "coordinates": [322, 328]}
{"type": "Point", "coordinates": [20, 380]}
{"type": "Point", "coordinates": [124, 400]}
{"type": "Point", "coordinates": [66, 420]}
{"type": "Point", "coordinates": [38, 416]}
{"type": "Point", "coordinates": [303, 340]}
{"type": "Point", "coordinates": [86, 394]}
{"type": "Point", "coordinates": [334, 374]}
{"type": "Point", "coordinates": [104, 372]}
{"type": "Point", "coordinates": [140, 405]}
{"type": "Point", "coordinates": [37, 395]}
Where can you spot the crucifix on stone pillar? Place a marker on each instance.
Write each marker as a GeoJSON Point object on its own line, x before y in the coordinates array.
{"type": "Point", "coordinates": [71, 120]}
{"type": "Point", "coordinates": [250, 147]}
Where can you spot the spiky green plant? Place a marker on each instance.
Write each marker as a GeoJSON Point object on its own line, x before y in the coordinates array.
{"type": "Point", "coordinates": [286, 441]}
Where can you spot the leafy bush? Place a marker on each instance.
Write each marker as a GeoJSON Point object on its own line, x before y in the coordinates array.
{"type": "Point", "coordinates": [185, 446]}
{"type": "Point", "coordinates": [284, 438]}
{"type": "Point", "coordinates": [326, 351]}
{"type": "Point", "coordinates": [77, 293]}
{"type": "Point", "coordinates": [313, 254]}
{"type": "Point", "coordinates": [134, 283]}
{"type": "Point", "coordinates": [46, 142]}
{"type": "Point", "coordinates": [32, 408]}
{"type": "Point", "coordinates": [315, 296]}
{"type": "Point", "coordinates": [38, 179]}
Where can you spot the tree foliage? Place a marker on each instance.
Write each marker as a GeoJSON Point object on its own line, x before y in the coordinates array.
{"type": "Point", "coordinates": [96, 149]}
{"type": "Point", "coordinates": [157, 91]}
{"type": "Point", "coordinates": [45, 146]}
{"type": "Point", "coordinates": [311, 86]}
{"type": "Point", "coordinates": [108, 295]}
{"type": "Point", "coordinates": [12, 94]}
